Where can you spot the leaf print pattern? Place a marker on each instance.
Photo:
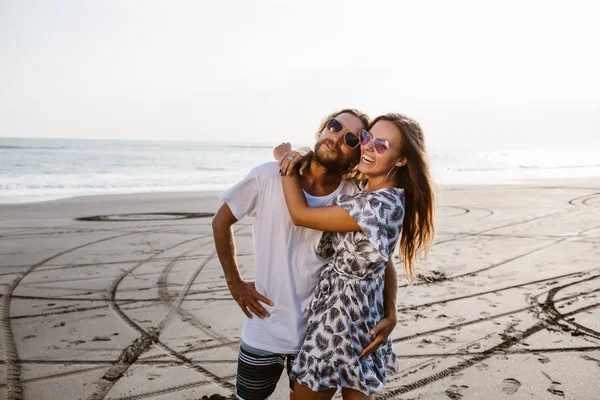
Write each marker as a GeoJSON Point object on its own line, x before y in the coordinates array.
{"type": "Point", "coordinates": [348, 300]}
{"type": "Point", "coordinates": [322, 342]}
{"type": "Point", "coordinates": [325, 247]}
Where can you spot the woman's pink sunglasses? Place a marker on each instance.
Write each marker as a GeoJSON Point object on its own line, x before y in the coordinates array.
{"type": "Point", "coordinates": [381, 145]}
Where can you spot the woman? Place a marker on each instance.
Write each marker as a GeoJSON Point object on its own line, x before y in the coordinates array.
{"type": "Point", "coordinates": [397, 203]}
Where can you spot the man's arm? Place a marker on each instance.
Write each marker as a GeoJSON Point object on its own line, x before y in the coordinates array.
{"type": "Point", "coordinates": [244, 293]}
{"type": "Point", "coordinates": [384, 328]}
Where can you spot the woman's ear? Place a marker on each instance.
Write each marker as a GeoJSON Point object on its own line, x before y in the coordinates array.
{"type": "Point", "coordinates": [401, 162]}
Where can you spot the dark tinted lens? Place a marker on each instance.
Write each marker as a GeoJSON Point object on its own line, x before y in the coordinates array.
{"type": "Point", "coordinates": [380, 145]}
{"type": "Point", "coordinates": [335, 126]}
{"type": "Point", "coordinates": [351, 140]}
{"type": "Point", "coordinates": [365, 137]}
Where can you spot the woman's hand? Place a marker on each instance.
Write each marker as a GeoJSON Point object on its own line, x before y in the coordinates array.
{"type": "Point", "coordinates": [294, 158]}
{"type": "Point", "coordinates": [289, 159]}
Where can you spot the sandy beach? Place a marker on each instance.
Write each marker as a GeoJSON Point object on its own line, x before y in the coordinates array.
{"type": "Point", "coordinates": [128, 306]}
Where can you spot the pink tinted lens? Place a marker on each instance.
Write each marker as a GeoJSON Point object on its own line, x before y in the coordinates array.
{"type": "Point", "coordinates": [380, 145]}
{"type": "Point", "coordinates": [365, 137]}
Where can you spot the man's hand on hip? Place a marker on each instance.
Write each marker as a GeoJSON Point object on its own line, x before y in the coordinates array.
{"type": "Point", "coordinates": [380, 333]}
{"type": "Point", "coordinates": [248, 298]}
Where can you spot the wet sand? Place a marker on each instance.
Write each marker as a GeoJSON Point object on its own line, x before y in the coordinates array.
{"type": "Point", "coordinates": [135, 306]}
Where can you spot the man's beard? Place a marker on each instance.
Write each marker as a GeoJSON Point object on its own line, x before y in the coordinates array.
{"type": "Point", "coordinates": [335, 164]}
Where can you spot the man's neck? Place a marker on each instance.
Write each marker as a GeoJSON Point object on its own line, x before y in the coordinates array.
{"type": "Point", "coordinates": [318, 181]}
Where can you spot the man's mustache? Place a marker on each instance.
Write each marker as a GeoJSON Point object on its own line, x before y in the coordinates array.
{"type": "Point", "coordinates": [331, 144]}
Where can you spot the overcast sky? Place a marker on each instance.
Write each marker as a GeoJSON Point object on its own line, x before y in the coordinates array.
{"type": "Point", "coordinates": [474, 73]}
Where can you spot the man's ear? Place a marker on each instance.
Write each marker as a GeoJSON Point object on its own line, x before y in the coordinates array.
{"type": "Point", "coordinates": [401, 162]}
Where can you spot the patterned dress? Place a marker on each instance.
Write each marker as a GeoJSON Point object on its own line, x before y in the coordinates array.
{"type": "Point", "coordinates": [348, 300]}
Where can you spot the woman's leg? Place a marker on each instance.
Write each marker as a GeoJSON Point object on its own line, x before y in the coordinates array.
{"type": "Point", "coordinates": [351, 394]}
{"type": "Point", "coordinates": [304, 393]}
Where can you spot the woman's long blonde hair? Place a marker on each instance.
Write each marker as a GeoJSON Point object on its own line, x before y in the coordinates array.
{"type": "Point", "coordinates": [415, 178]}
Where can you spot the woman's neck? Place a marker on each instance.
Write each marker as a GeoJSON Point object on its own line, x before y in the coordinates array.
{"type": "Point", "coordinates": [379, 182]}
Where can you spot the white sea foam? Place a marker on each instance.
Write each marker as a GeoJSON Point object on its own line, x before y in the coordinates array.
{"type": "Point", "coordinates": [43, 169]}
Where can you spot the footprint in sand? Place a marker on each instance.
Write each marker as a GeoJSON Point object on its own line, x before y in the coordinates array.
{"type": "Point", "coordinates": [552, 389]}
{"type": "Point", "coordinates": [543, 359]}
{"type": "Point", "coordinates": [554, 386]}
{"type": "Point", "coordinates": [511, 386]}
{"type": "Point", "coordinates": [454, 392]}
{"type": "Point", "coordinates": [588, 358]}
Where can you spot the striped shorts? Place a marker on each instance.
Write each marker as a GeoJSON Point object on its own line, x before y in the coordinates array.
{"type": "Point", "coordinates": [259, 371]}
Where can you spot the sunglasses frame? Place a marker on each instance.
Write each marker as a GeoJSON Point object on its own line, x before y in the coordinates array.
{"type": "Point", "coordinates": [384, 142]}
{"type": "Point", "coordinates": [345, 134]}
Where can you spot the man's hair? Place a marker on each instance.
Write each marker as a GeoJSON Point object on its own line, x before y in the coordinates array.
{"type": "Point", "coordinates": [350, 173]}
{"type": "Point", "coordinates": [364, 118]}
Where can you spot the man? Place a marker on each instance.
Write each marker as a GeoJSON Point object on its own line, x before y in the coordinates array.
{"type": "Point", "coordinates": [287, 263]}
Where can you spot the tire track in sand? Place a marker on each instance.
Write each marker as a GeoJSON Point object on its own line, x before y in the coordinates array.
{"type": "Point", "coordinates": [151, 336]}
{"type": "Point", "coordinates": [507, 342]}
{"type": "Point", "coordinates": [14, 389]}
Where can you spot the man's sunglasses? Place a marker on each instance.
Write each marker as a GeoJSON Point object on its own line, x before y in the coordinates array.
{"type": "Point", "coordinates": [381, 145]}
{"type": "Point", "coordinates": [350, 139]}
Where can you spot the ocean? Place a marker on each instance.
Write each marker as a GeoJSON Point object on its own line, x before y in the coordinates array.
{"type": "Point", "coordinates": [47, 169]}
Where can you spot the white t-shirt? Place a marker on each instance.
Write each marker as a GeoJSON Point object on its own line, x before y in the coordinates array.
{"type": "Point", "coordinates": [286, 265]}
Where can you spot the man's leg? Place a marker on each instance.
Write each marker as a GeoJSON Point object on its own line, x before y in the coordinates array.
{"type": "Point", "coordinates": [257, 373]}
{"type": "Point", "coordinates": [289, 361]}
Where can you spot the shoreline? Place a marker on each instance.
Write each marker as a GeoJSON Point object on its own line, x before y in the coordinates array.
{"type": "Point", "coordinates": [169, 191]}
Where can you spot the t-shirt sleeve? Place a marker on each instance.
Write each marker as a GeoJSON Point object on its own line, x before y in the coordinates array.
{"type": "Point", "coordinates": [379, 216]}
{"type": "Point", "coordinates": [242, 198]}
